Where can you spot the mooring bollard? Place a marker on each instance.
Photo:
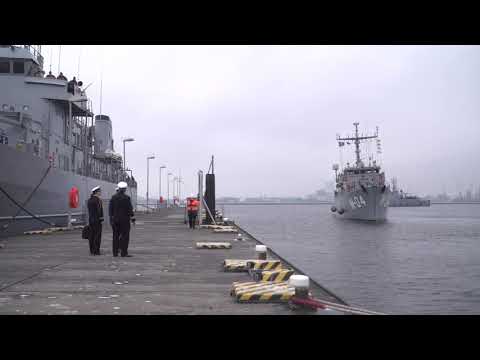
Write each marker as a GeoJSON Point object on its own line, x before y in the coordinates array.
{"type": "Point", "coordinates": [301, 284]}
{"type": "Point", "coordinates": [302, 299]}
{"type": "Point", "coordinates": [261, 251]}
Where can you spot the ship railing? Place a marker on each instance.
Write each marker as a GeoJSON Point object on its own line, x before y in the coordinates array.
{"type": "Point", "coordinates": [35, 50]}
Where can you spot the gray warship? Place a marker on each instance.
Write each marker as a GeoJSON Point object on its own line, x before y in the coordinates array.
{"type": "Point", "coordinates": [50, 141]}
{"type": "Point", "coordinates": [399, 198]}
{"type": "Point", "coordinates": [361, 192]}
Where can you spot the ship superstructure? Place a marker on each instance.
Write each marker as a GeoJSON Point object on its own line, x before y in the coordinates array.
{"type": "Point", "coordinates": [399, 198]}
{"type": "Point", "coordinates": [361, 192]}
{"type": "Point", "coordinates": [50, 141]}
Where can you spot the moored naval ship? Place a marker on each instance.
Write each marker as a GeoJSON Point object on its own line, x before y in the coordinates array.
{"type": "Point", "coordinates": [361, 192]}
{"type": "Point", "coordinates": [399, 198]}
{"type": "Point", "coordinates": [50, 142]}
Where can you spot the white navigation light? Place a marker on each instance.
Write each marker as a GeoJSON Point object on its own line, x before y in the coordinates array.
{"type": "Point", "coordinates": [25, 107]}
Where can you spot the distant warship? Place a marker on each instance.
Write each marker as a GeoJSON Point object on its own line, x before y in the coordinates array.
{"type": "Point", "coordinates": [50, 142]}
{"type": "Point", "coordinates": [398, 198]}
{"type": "Point", "coordinates": [361, 192]}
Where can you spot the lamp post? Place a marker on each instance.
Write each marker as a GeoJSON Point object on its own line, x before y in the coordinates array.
{"type": "Point", "coordinates": [160, 184]}
{"type": "Point", "coordinates": [180, 182]}
{"type": "Point", "coordinates": [130, 186]}
{"type": "Point", "coordinates": [175, 187]}
{"type": "Point", "coordinates": [168, 189]}
{"type": "Point", "coordinates": [148, 173]}
{"type": "Point", "coordinates": [124, 141]}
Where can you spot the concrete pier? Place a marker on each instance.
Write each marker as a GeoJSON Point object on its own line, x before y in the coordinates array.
{"type": "Point", "coordinates": [55, 274]}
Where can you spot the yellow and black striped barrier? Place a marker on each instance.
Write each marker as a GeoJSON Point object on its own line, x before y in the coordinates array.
{"type": "Point", "coordinates": [234, 265]}
{"type": "Point", "coordinates": [273, 276]}
{"type": "Point", "coordinates": [56, 229]}
{"type": "Point", "coordinates": [225, 230]}
{"type": "Point", "coordinates": [38, 232]}
{"type": "Point", "coordinates": [217, 227]}
{"type": "Point", "coordinates": [254, 265]}
{"type": "Point", "coordinates": [214, 245]}
{"type": "Point", "coordinates": [262, 292]}
{"type": "Point", "coordinates": [264, 264]}
{"type": "Point", "coordinates": [52, 230]}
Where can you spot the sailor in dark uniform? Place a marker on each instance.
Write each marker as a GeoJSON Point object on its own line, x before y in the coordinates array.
{"type": "Point", "coordinates": [116, 234]}
{"type": "Point", "coordinates": [61, 77]}
{"type": "Point", "coordinates": [95, 219]}
{"type": "Point", "coordinates": [122, 212]}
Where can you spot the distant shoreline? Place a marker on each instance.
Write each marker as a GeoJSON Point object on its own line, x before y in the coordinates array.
{"type": "Point", "coordinates": [330, 203]}
{"type": "Point", "coordinates": [276, 203]}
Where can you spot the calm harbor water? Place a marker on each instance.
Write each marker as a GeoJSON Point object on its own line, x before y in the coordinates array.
{"type": "Point", "coordinates": [420, 261]}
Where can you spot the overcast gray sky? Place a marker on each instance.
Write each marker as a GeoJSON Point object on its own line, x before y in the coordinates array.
{"type": "Point", "coordinates": [270, 114]}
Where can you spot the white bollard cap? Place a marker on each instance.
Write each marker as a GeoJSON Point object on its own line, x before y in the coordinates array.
{"type": "Point", "coordinates": [260, 248]}
{"type": "Point", "coordinates": [299, 281]}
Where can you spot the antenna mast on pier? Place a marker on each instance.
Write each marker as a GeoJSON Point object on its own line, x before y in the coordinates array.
{"type": "Point", "coordinates": [78, 69]}
{"type": "Point", "coordinates": [59, 57]}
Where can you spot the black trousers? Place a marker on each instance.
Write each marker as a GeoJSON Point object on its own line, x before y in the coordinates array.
{"type": "Point", "coordinates": [192, 219]}
{"type": "Point", "coordinates": [95, 238]}
{"type": "Point", "coordinates": [123, 229]}
{"type": "Point", "coordinates": [116, 239]}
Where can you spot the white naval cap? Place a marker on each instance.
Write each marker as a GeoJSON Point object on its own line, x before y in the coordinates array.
{"type": "Point", "coordinates": [95, 189]}
{"type": "Point", "coordinates": [122, 185]}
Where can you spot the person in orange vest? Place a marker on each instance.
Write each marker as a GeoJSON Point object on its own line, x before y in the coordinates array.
{"type": "Point", "coordinates": [192, 209]}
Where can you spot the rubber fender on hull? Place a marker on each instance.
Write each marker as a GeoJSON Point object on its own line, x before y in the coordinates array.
{"type": "Point", "coordinates": [333, 209]}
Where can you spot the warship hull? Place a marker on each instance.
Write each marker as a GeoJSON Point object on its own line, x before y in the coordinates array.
{"type": "Point", "coordinates": [371, 205]}
{"type": "Point", "coordinates": [409, 202]}
{"type": "Point", "coordinates": [22, 172]}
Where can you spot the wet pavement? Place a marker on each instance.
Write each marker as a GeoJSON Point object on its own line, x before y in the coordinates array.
{"type": "Point", "coordinates": [55, 274]}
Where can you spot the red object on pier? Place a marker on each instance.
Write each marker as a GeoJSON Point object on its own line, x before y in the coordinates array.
{"type": "Point", "coordinates": [73, 198]}
{"type": "Point", "coordinates": [308, 302]}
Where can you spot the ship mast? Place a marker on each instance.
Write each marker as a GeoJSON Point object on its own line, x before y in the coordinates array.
{"type": "Point", "coordinates": [357, 140]}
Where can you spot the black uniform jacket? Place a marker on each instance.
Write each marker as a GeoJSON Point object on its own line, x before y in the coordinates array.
{"type": "Point", "coordinates": [95, 210]}
{"type": "Point", "coordinates": [120, 208]}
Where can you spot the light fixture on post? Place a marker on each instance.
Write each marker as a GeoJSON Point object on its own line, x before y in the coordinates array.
{"type": "Point", "coordinates": [168, 189]}
{"type": "Point", "coordinates": [148, 173]}
{"type": "Point", "coordinates": [124, 141]}
{"type": "Point", "coordinates": [160, 185]}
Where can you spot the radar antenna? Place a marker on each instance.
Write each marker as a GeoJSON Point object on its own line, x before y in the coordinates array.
{"type": "Point", "coordinates": [59, 57]}
{"type": "Point", "coordinates": [356, 140]}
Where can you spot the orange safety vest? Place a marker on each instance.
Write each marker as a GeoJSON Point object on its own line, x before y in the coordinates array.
{"type": "Point", "coordinates": [192, 205]}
